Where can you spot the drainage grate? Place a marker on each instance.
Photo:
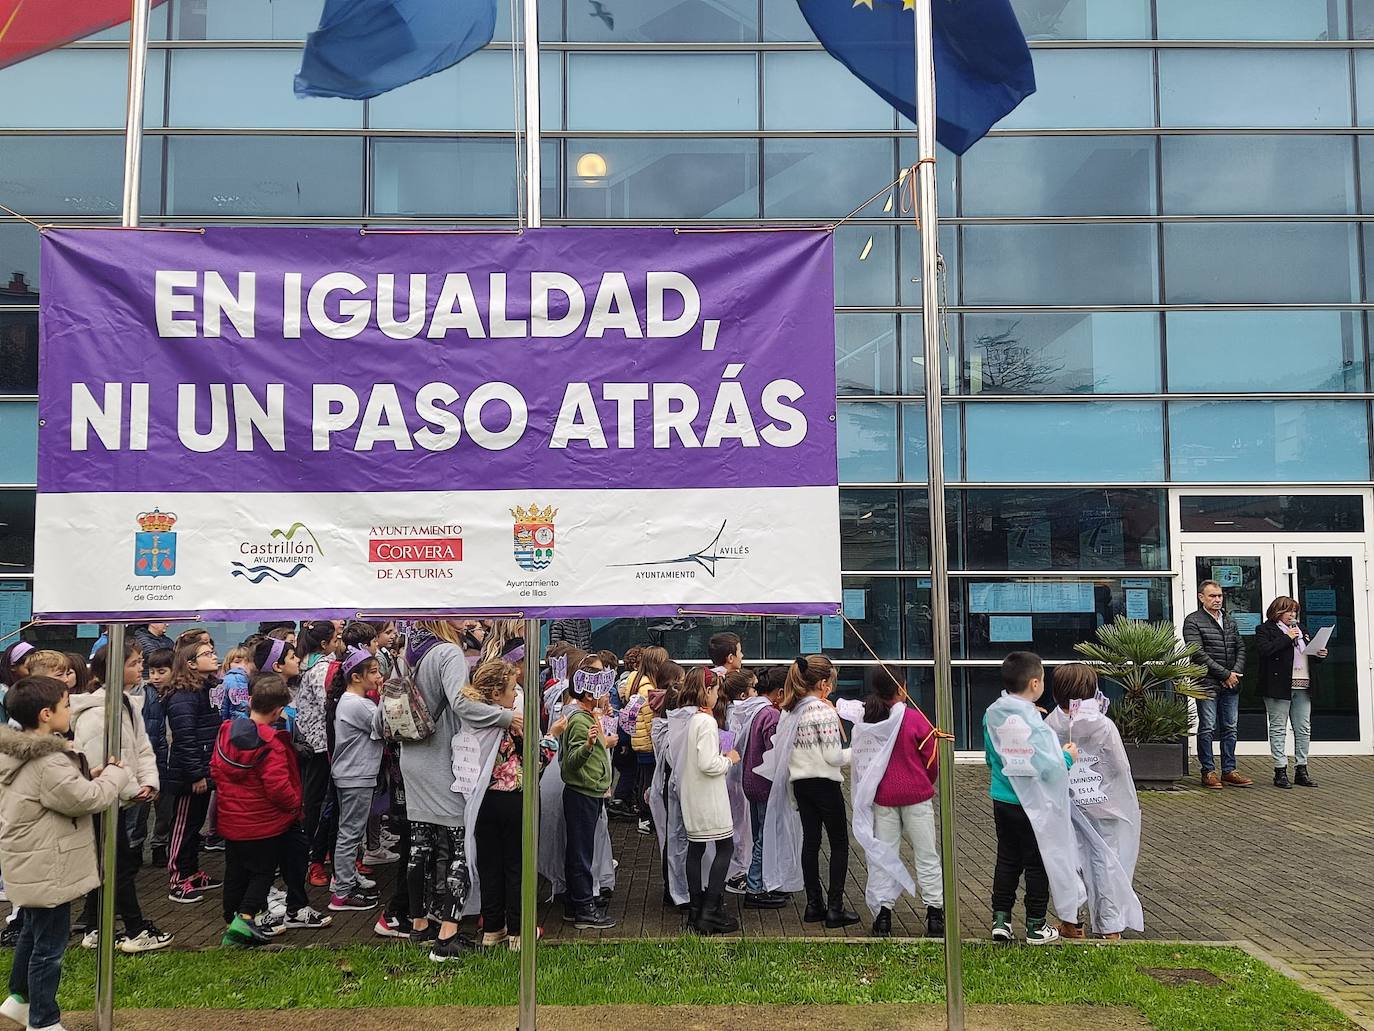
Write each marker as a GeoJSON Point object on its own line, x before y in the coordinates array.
{"type": "Point", "coordinates": [1176, 977]}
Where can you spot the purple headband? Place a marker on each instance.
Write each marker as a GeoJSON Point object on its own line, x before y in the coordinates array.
{"type": "Point", "coordinates": [597, 684]}
{"type": "Point", "coordinates": [355, 658]}
{"type": "Point", "coordinates": [274, 656]}
{"type": "Point", "coordinates": [20, 650]}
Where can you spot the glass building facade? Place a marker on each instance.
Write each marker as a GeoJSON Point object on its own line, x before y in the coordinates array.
{"type": "Point", "coordinates": [1155, 270]}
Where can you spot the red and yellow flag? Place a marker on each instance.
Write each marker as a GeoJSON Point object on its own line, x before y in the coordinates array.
{"type": "Point", "coordinates": [29, 27]}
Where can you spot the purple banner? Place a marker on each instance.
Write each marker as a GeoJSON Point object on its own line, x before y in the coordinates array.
{"type": "Point", "coordinates": [289, 360]}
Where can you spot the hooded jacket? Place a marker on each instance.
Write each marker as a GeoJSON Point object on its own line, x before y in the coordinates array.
{"type": "Point", "coordinates": [194, 725]}
{"type": "Point", "coordinates": [257, 781]}
{"type": "Point", "coordinates": [47, 843]}
{"type": "Point", "coordinates": [135, 751]}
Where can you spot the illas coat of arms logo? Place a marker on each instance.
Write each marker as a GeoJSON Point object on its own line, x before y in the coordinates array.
{"type": "Point", "coordinates": [155, 545]}
{"type": "Point", "coordinates": [533, 536]}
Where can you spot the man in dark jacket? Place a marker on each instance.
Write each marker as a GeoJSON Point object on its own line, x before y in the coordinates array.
{"type": "Point", "coordinates": [1215, 633]}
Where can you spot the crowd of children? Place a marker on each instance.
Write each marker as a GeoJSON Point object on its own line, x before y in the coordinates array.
{"type": "Point", "coordinates": [311, 755]}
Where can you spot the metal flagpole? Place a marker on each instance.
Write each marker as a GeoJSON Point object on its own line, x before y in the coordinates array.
{"type": "Point", "coordinates": [529, 838]}
{"type": "Point", "coordinates": [114, 651]}
{"type": "Point", "coordinates": [928, 213]}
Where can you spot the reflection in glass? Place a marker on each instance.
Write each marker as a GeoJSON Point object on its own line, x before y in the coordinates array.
{"type": "Point", "coordinates": [916, 528]}
{"type": "Point", "coordinates": [264, 176]}
{"type": "Point", "coordinates": [662, 91]}
{"type": "Point", "coordinates": [868, 529]}
{"type": "Point", "coordinates": [685, 637]}
{"type": "Point", "coordinates": [77, 89]}
{"type": "Point", "coordinates": [1264, 263]}
{"type": "Point", "coordinates": [824, 178]}
{"type": "Point", "coordinates": [1031, 528]}
{"type": "Point", "coordinates": [74, 175]}
{"type": "Point", "coordinates": [248, 89]}
{"type": "Point", "coordinates": [783, 20]}
{"type": "Point", "coordinates": [245, 19]}
{"type": "Point", "coordinates": [663, 178]}
{"type": "Point", "coordinates": [1258, 175]}
{"type": "Point", "coordinates": [865, 265]}
{"type": "Point", "coordinates": [1250, 19]}
{"type": "Point", "coordinates": [1254, 87]}
{"type": "Point", "coordinates": [1061, 353]}
{"type": "Point", "coordinates": [815, 92]}
{"type": "Point", "coordinates": [879, 601]}
{"type": "Point", "coordinates": [1083, 19]}
{"type": "Point", "coordinates": [1060, 175]}
{"type": "Point", "coordinates": [18, 338]}
{"type": "Point", "coordinates": [473, 94]}
{"type": "Point", "coordinates": [866, 353]}
{"type": "Point", "coordinates": [16, 531]}
{"type": "Point", "coordinates": [916, 617]}
{"type": "Point", "coordinates": [910, 292]}
{"type": "Point", "coordinates": [914, 461]}
{"type": "Point", "coordinates": [418, 177]}
{"type": "Point", "coordinates": [19, 431]}
{"type": "Point", "coordinates": [1060, 264]}
{"type": "Point", "coordinates": [1271, 513]}
{"type": "Point", "coordinates": [867, 441]}
{"type": "Point", "coordinates": [19, 258]}
{"type": "Point", "coordinates": [1064, 441]}
{"type": "Point", "coordinates": [1232, 351]}
{"type": "Point", "coordinates": [664, 21]}
{"type": "Point", "coordinates": [1088, 89]}
{"type": "Point", "coordinates": [1285, 441]}
{"type": "Point", "coordinates": [1326, 592]}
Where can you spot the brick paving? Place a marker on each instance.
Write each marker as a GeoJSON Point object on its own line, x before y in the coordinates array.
{"type": "Point", "coordinates": [1290, 871]}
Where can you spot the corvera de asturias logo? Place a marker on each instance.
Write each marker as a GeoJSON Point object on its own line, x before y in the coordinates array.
{"type": "Point", "coordinates": [415, 551]}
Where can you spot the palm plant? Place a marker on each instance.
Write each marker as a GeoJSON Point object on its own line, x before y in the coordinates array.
{"type": "Point", "coordinates": [1155, 671]}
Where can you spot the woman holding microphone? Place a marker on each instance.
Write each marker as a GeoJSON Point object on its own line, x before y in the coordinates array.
{"type": "Point", "coordinates": [1287, 677]}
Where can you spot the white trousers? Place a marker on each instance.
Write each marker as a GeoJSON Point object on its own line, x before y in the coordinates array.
{"type": "Point", "coordinates": [917, 823]}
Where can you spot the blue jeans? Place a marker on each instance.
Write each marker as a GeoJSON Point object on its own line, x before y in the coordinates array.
{"type": "Point", "coordinates": [38, 961]}
{"type": "Point", "coordinates": [757, 812]}
{"type": "Point", "coordinates": [1226, 708]}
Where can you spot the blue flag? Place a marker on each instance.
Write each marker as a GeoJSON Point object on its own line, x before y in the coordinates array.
{"type": "Point", "coordinates": [366, 47]}
{"type": "Point", "coordinates": [982, 64]}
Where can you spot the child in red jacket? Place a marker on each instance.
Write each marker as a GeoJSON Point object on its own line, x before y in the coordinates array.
{"type": "Point", "coordinates": [259, 782]}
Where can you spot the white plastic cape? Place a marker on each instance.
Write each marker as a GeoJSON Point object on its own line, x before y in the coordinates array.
{"type": "Point", "coordinates": [1033, 762]}
{"type": "Point", "coordinates": [782, 832]}
{"type": "Point", "coordinates": [553, 830]}
{"type": "Point", "coordinates": [1106, 816]}
{"type": "Point", "coordinates": [872, 744]}
{"type": "Point", "coordinates": [670, 739]}
{"type": "Point", "coordinates": [740, 721]}
{"type": "Point", "coordinates": [488, 740]}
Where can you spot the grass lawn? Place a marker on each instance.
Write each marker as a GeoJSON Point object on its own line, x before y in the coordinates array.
{"type": "Point", "coordinates": [705, 972]}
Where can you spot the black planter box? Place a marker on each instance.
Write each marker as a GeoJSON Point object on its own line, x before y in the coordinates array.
{"type": "Point", "coordinates": [1158, 765]}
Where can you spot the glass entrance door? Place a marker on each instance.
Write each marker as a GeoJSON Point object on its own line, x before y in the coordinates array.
{"type": "Point", "coordinates": [1329, 583]}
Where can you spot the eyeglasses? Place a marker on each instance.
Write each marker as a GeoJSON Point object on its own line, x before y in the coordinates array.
{"type": "Point", "coordinates": [202, 655]}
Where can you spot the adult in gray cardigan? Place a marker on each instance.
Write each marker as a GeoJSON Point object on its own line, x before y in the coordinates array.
{"type": "Point", "coordinates": [437, 874]}
{"type": "Point", "coordinates": [1220, 649]}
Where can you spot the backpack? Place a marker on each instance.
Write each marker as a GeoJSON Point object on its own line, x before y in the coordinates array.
{"type": "Point", "coordinates": [405, 716]}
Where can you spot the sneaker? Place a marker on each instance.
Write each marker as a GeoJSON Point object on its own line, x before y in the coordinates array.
{"type": "Point", "coordinates": [391, 927]}
{"type": "Point", "coordinates": [619, 809]}
{"type": "Point", "coordinates": [186, 891]}
{"type": "Point", "coordinates": [445, 949]}
{"type": "Point", "coordinates": [428, 936]}
{"type": "Point", "coordinates": [364, 884]}
{"type": "Point", "coordinates": [1040, 933]}
{"type": "Point", "coordinates": [9, 937]}
{"type": "Point", "coordinates": [1001, 928]}
{"type": "Point", "coordinates": [318, 876]}
{"type": "Point", "coordinates": [380, 857]}
{"type": "Point", "coordinates": [737, 885]}
{"type": "Point", "coordinates": [215, 844]}
{"type": "Point", "coordinates": [91, 940]}
{"type": "Point", "coordinates": [513, 942]}
{"type": "Point", "coordinates": [16, 1009]}
{"type": "Point", "coordinates": [645, 827]}
{"type": "Point", "coordinates": [150, 939]}
{"type": "Point", "coordinates": [270, 926]}
{"type": "Point", "coordinates": [389, 840]}
{"type": "Point", "coordinates": [762, 900]}
{"type": "Point", "coordinates": [343, 903]}
{"type": "Point", "coordinates": [275, 897]}
{"type": "Point", "coordinates": [593, 919]}
{"type": "Point", "coordinates": [307, 919]}
{"type": "Point", "coordinates": [491, 938]}
{"type": "Point", "coordinates": [204, 881]}
{"type": "Point", "coordinates": [362, 869]}
{"type": "Point", "coordinates": [241, 934]}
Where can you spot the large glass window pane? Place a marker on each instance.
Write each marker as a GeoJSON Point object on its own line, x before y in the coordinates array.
{"type": "Point", "coordinates": [866, 432]}
{"type": "Point", "coordinates": [914, 461]}
{"type": "Point", "coordinates": [19, 262]}
{"type": "Point", "coordinates": [74, 175]}
{"type": "Point", "coordinates": [824, 178]}
{"type": "Point", "coordinates": [16, 533]}
{"type": "Point", "coordinates": [1363, 25]}
{"type": "Point", "coordinates": [685, 639]}
{"type": "Point", "coordinates": [77, 89]}
{"type": "Point", "coordinates": [866, 353]}
{"type": "Point", "coordinates": [1050, 616]}
{"type": "Point", "coordinates": [875, 609]}
{"type": "Point", "coordinates": [662, 91]}
{"type": "Point", "coordinates": [1254, 87]}
{"type": "Point", "coordinates": [1019, 528]}
{"type": "Point", "coordinates": [1250, 19]}
{"type": "Point", "coordinates": [663, 178]}
{"type": "Point", "coordinates": [245, 19]}
{"type": "Point", "coordinates": [1060, 264]}
{"type": "Point", "coordinates": [1060, 175]}
{"type": "Point", "coordinates": [868, 529]}
{"type": "Point", "coordinates": [454, 177]}
{"type": "Point", "coordinates": [1083, 19]}
{"type": "Point", "coordinates": [1062, 353]}
{"type": "Point", "coordinates": [865, 265]}
{"type": "Point", "coordinates": [1271, 513]}
{"type": "Point", "coordinates": [910, 292]}
{"type": "Point", "coordinates": [1064, 441]}
{"type": "Point", "coordinates": [19, 431]}
{"type": "Point", "coordinates": [1087, 89]}
{"type": "Point", "coordinates": [473, 94]}
{"type": "Point", "coordinates": [264, 176]}
{"type": "Point", "coordinates": [1238, 351]}
{"type": "Point", "coordinates": [783, 20]}
{"type": "Point", "coordinates": [665, 21]}
{"type": "Point", "coordinates": [1258, 175]}
{"type": "Point", "coordinates": [914, 356]}
{"type": "Point", "coordinates": [247, 89]}
{"type": "Point", "coordinates": [1262, 263]}
{"type": "Point", "coordinates": [18, 339]}
{"type": "Point", "coordinates": [813, 91]}
{"type": "Point", "coordinates": [916, 528]}
{"type": "Point", "coordinates": [916, 606]}
{"type": "Point", "coordinates": [1268, 440]}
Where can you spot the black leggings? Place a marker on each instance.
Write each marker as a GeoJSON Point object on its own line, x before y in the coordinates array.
{"type": "Point", "coordinates": [1018, 852]}
{"type": "Point", "coordinates": [820, 803]}
{"type": "Point", "coordinates": [720, 866]}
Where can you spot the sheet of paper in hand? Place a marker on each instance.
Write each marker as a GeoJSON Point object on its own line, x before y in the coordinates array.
{"type": "Point", "coordinates": [850, 709]}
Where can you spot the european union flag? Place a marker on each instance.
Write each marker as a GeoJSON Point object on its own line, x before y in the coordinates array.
{"type": "Point", "coordinates": [982, 64]}
{"type": "Point", "coordinates": [366, 47]}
